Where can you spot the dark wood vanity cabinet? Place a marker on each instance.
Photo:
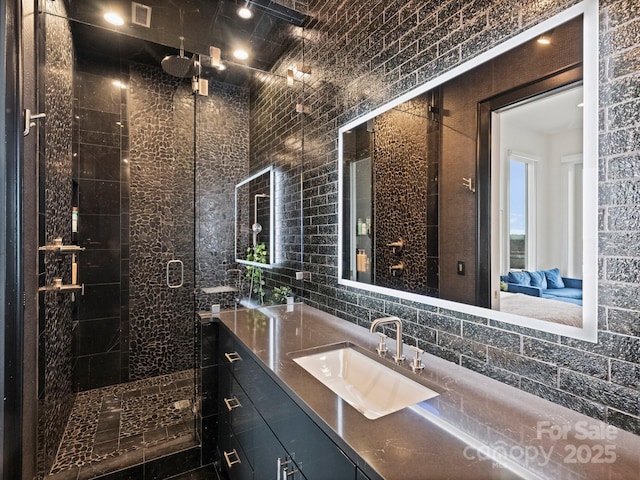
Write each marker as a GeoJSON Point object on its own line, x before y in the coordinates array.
{"type": "Point", "coordinates": [263, 433]}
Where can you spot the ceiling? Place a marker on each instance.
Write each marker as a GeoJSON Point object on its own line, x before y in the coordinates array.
{"type": "Point", "coordinates": [203, 23]}
{"type": "Point", "coordinates": [551, 114]}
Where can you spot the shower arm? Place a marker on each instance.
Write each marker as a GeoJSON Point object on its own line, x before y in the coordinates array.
{"type": "Point", "coordinates": [255, 205]}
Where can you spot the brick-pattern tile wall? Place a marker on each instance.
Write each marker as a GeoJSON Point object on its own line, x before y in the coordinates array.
{"type": "Point", "coordinates": [222, 161]}
{"type": "Point", "coordinates": [365, 53]}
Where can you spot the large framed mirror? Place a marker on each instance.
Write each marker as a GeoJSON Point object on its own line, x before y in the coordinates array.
{"type": "Point", "coordinates": [254, 219]}
{"type": "Point", "coordinates": [477, 190]}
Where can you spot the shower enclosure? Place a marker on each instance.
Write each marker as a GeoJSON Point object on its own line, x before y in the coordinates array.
{"type": "Point", "coordinates": [130, 176]}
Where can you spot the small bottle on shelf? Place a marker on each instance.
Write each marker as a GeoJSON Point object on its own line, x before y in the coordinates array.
{"type": "Point", "coordinates": [74, 224]}
{"type": "Point", "coordinates": [74, 270]}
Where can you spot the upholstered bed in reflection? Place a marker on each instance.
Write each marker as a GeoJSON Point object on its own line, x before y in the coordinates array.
{"type": "Point", "coordinates": [541, 308]}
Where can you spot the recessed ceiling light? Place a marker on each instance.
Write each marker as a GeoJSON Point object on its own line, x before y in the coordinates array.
{"type": "Point", "coordinates": [544, 40]}
{"type": "Point", "coordinates": [114, 19]}
{"type": "Point", "coordinates": [245, 12]}
{"type": "Point", "coordinates": [241, 54]}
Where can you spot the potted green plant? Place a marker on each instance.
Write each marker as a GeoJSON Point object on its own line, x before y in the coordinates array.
{"type": "Point", "coordinates": [258, 254]}
{"type": "Point", "coordinates": [282, 295]}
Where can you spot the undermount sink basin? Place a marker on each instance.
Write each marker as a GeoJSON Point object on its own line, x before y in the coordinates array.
{"type": "Point", "coordinates": [356, 376]}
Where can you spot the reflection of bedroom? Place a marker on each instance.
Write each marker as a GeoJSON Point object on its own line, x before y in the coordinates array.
{"type": "Point", "coordinates": [540, 145]}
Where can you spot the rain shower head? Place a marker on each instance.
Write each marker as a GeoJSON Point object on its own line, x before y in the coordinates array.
{"type": "Point", "coordinates": [179, 65]}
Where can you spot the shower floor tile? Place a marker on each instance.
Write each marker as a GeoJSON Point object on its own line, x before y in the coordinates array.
{"type": "Point", "coordinates": [122, 425]}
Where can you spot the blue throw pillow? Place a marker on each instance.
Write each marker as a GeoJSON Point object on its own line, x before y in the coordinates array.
{"type": "Point", "coordinates": [554, 280]}
{"type": "Point", "coordinates": [538, 279]}
{"type": "Point", "coordinates": [521, 278]}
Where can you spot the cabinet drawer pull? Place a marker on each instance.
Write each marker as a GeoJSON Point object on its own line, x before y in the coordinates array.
{"type": "Point", "coordinates": [233, 357]}
{"type": "Point", "coordinates": [227, 457]}
{"type": "Point", "coordinates": [288, 473]}
{"type": "Point", "coordinates": [281, 466]}
{"type": "Point", "coordinates": [283, 469]}
{"type": "Point", "coordinates": [232, 403]}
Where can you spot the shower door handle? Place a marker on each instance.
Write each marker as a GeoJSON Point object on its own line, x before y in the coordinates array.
{"type": "Point", "coordinates": [169, 284]}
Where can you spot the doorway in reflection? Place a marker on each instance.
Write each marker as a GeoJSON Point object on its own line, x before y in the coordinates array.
{"type": "Point", "coordinates": [537, 150]}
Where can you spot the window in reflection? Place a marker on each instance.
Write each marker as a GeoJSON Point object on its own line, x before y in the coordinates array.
{"type": "Point", "coordinates": [520, 198]}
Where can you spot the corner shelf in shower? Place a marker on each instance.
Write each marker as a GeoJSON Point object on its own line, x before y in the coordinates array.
{"type": "Point", "coordinates": [59, 248]}
{"type": "Point", "coordinates": [62, 288]}
{"type": "Point", "coordinates": [62, 249]}
{"type": "Point", "coordinates": [219, 289]}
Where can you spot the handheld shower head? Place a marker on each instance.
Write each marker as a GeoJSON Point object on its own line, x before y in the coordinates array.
{"type": "Point", "coordinates": [256, 228]}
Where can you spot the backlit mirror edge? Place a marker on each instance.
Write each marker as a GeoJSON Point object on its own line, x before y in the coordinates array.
{"type": "Point", "coordinates": [270, 170]}
{"type": "Point", "coordinates": [589, 330]}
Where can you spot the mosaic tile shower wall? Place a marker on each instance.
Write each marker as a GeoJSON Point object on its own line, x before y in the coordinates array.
{"type": "Point", "coordinates": [401, 162]}
{"type": "Point", "coordinates": [222, 149]}
{"type": "Point", "coordinates": [161, 222]}
{"type": "Point", "coordinates": [55, 389]}
{"type": "Point", "coordinates": [366, 53]}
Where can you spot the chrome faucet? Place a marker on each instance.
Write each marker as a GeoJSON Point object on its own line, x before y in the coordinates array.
{"type": "Point", "coordinates": [398, 357]}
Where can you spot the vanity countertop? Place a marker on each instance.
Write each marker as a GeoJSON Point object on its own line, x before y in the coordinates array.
{"type": "Point", "coordinates": [477, 428]}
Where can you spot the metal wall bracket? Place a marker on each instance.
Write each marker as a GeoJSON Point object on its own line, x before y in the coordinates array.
{"type": "Point", "coordinates": [302, 108]}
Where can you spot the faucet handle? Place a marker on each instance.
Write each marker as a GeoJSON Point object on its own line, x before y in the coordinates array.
{"type": "Point", "coordinates": [417, 364]}
{"type": "Point", "coordinates": [382, 346]}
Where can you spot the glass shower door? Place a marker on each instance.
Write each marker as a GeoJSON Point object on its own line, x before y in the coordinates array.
{"type": "Point", "coordinates": [117, 181]}
{"type": "Point", "coordinates": [161, 265]}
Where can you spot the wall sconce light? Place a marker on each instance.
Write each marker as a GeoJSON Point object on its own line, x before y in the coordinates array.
{"type": "Point", "coordinates": [290, 76]}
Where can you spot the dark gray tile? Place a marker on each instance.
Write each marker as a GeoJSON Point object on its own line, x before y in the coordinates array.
{"type": "Point", "coordinates": [603, 392]}
{"type": "Point", "coordinates": [577, 360]}
{"type": "Point", "coordinates": [491, 336]}
{"type": "Point", "coordinates": [525, 367]}
{"type": "Point", "coordinates": [97, 336]}
{"type": "Point", "coordinates": [99, 197]}
{"type": "Point", "coordinates": [630, 423]}
{"type": "Point", "coordinates": [105, 448]}
{"type": "Point", "coordinates": [574, 402]}
{"type": "Point", "coordinates": [156, 435]}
